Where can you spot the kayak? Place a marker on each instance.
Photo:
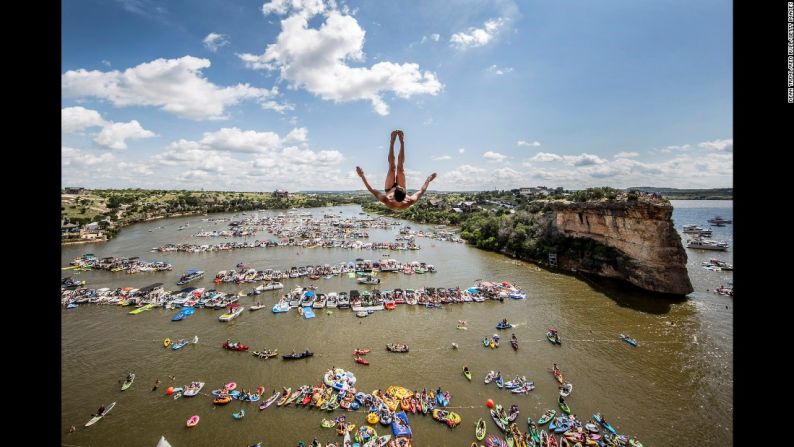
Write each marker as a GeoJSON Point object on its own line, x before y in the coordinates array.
{"type": "Point", "coordinates": [96, 419]}
{"type": "Point", "coordinates": [549, 415]}
{"type": "Point", "coordinates": [127, 384]}
{"type": "Point", "coordinates": [163, 442]}
{"type": "Point", "coordinates": [192, 421]}
{"type": "Point", "coordinates": [558, 376]}
{"type": "Point", "coordinates": [566, 389]}
{"type": "Point", "coordinates": [467, 374]}
{"type": "Point", "coordinates": [597, 417]}
{"type": "Point", "coordinates": [502, 325]}
{"type": "Point", "coordinates": [239, 415]}
{"type": "Point", "coordinates": [565, 408]}
{"type": "Point", "coordinates": [269, 400]}
{"type": "Point", "coordinates": [362, 360]}
{"type": "Point", "coordinates": [628, 340]}
{"type": "Point", "coordinates": [479, 430]}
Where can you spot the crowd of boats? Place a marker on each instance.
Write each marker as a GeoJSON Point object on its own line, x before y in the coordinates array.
{"type": "Point", "coordinates": [363, 268]}
{"type": "Point", "coordinates": [700, 235]}
{"type": "Point", "coordinates": [303, 243]}
{"type": "Point", "coordinates": [132, 265]}
{"type": "Point", "coordinates": [717, 265]}
{"type": "Point", "coordinates": [362, 302]}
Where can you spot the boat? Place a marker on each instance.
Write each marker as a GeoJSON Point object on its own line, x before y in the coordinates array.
{"type": "Point", "coordinates": [362, 360]}
{"type": "Point", "coordinates": [269, 400]}
{"type": "Point", "coordinates": [272, 285]}
{"type": "Point", "coordinates": [299, 355]}
{"type": "Point", "coordinates": [597, 417]}
{"type": "Point", "coordinates": [566, 389]}
{"type": "Point", "coordinates": [163, 442]}
{"type": "Point", "coordinates": [193, 421]}
{"type": "Point", "coordinates": [257, 307]}
{"type": "Point", "coordinates": [394, 347]}
{"type": "Point", "coordinates": [281, 306]}
{"type": "Point", "coordinates": [234, 311]}
{"type": "Point", "coordinates": [565, 408]}
{"type": "Point", "coordinates": [467, 373]}
{"type": "Point", "coordinates": [361, 351]}
{"type": "Point", "coordinates": [190, 275]}
{"type": "Point", "coordinates": [518, 295]}
{"type": "Point", "coordinates": [369, 279]}
{"type": "Point", "coordinates": [503, 325]}
{"type": "Point", "coordinates": [234, 346]}
{"type": "Point", "coordinates": [719, 220]}
{"type": "Point", "coordinates": [239, 415]}
{"type": "Point", "coordinates": [166, 342]}
{"type": "Point", "coordinates": [628, 340]}
{"type": "Point", "coordinates": [479, 430]}
{"type": "Point", "coordinates": [193, 389]}
{"type": "Point", "coordinates": [547, 416]}
{"type": "Point", "coordinates": [400, 425]}
{"type": "Point", "coordinates": [141, 309]}
{"type": "Point", "coordinates": [265, 353]}
{"type": "Point", "coordinates": [514, 342]}
{"type": "Point", "coordinates": [179, 344]}
{"type": "Point", "coordinates": [362, 314]}
{"type": "Point", "coordinates": [127, 383]}
{"type": "Point", "coordinates": [706, 244]}
{"type": "Point", "coordinates": [558, 375]}
{"type": "Point", "coordinates": [553, 336]}
{"type": "Point", "coordinates": [184, 313]}
{"type": "Point", "coordinates": [450, 418]}
{"type": "Point", "coordinates": [97, 417]}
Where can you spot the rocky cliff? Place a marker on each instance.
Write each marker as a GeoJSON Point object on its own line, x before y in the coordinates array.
{"type": "Point", "coordinates": [632, 241]}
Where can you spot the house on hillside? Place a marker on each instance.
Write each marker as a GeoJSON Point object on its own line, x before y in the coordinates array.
{"type": "Point", "coordinates": [74, 190]}
{"type": "Point", "coordinates": [280, 194]}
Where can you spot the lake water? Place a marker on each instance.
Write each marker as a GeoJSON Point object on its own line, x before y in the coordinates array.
{"type": "Point", "coordinates": [674, 389]}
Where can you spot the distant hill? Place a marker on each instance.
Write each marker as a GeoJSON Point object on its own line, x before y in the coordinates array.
{"type": "Point", "coordinates": [688, 194]}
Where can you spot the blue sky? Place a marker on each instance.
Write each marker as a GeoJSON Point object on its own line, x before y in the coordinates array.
{"type": "Point", "coordinates": [254, 96]}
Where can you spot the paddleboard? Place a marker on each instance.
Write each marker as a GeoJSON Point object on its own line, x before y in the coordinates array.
{"type": "Point", "coordinates": [96, 419]}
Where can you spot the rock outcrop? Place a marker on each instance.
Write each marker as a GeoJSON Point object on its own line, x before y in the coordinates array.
{"type": "Point", "coordinates": [633, 241]}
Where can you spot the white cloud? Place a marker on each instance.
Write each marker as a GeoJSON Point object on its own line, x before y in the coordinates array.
{"type": "Point", "coordinates": [461, 150]}
{"type": "Point", "coordinates": [435, 37]}
{"type": "Point", "coordinates": [494, 156]}
{"type": "Point", "coordinates": [718, 145]}
{"type": "Point", "coordinates": [526, 143]}
{"type": "Point", "coordinates": [317, 59]}
{"type": "Point", "coordinates": [573, 160]}
{"type": "Point", "coordinates": [175, 85]}
{"type": "Point", "coordinates": [114, 135]}
{"type": "Point", "coordinates": [213, 41]}
{"type": "Point", "coordinates": [106, 62]}
{"type": "Point", "coordinates": [627, 155]}
{"type": "Point", "coordinates": [498, 71]}
{"type": "Point", "coordinates": [477, 37]}
{"type": "Point", "coordinates": [545, 156]}
{"type": "Point", "coordinates": [442, 158]}
{"type": "Point", "coordinates": [74, 119]}
{"type": "Point", "coordinates": [679, 148]}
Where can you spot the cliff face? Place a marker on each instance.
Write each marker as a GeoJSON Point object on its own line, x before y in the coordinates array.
{"type": "Point", "coordinates": [643, 246]}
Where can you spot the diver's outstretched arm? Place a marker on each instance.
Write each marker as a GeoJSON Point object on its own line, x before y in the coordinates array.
{"type": "Point", "coordinates": [378, 195]}
{"type": "Point", "coordinates": [421, 192]}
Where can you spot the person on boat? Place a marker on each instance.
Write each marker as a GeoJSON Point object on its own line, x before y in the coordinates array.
{"type": "Point", "coordinates": [561, 400]}
{"type": "Point", "coordinates": [156, 384]}
{"type": "Point", "coordinates": [100, 411]}
{"type": "Point", "coordinates": [395, 196]}
{"type": "Point", "coordinates": [465, 369]}
{"type": "Point", "coordinates": [72, 429]}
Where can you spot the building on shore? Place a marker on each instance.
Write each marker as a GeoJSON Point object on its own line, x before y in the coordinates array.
{"type": "Point", "coordinates": [74, 190]}
{"type": "Point", "coordinates": [280, 194]}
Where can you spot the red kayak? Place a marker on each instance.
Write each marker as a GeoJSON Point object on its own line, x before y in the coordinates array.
{"type": "Point", "coordinates": [235, 346]}
{"type": "Point", "coordinates": [362, 360]}
{"type": "Point", "coordinates": [361, 351]}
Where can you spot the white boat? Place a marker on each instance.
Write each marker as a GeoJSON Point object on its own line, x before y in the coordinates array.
{"type": "Point", "coordinates": [706, 244]}
{"type": "Point", "coordinates": [281, 306]}
{"type": "Point", "coordinates": [332, 300]}
{"type": "Point", "coordinates": [234, 312]}
{"type": "Point", "coordinates": [163, 443]}
{"type": "Point", "coordinates": [193, 389]}
{"type": "Point", "coordinates": [272, 285]}
{"type": "Point", "coordinates": [319, 301]}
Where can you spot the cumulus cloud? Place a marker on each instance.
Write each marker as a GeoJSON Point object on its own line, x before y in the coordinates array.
{"type": "Point", "coordinates": [499, 71]}
{"type": "Point", "coordinates": [545, 156]}
{"type": "Point", "coordinates": [317, 59]}
{"type": "Point", "coordinates": [526, 143]}
{"type": "Point", "coordinates": [213, 41]}
{"type": "Point", "coordinates": [675, 147]}
{"type": "Point", "coordinates": [494, 156]}
{"type": "Point", "coordinates": [718, 145]}
{"type": "Point", "coordinates": [174, 85]}
{"type": "Point", "coordinates": [573, 160]}
{"type": "Point", "coordinates": [112, 135]}
{"type": "Point", "coordinates": [461, 150]}
{"type": "Point", "coordinates": [115, 135]}
{"type": "Point", "coordinates": [442, 158]}
{"type": "Point", "coordinates": [627, 154]}
{"type": "Point", "coordinates": [74, 119]}
{"type": "Point", "coordinates": [435, 37]}
{"type": "Point", "coordinates": [477, 37]}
